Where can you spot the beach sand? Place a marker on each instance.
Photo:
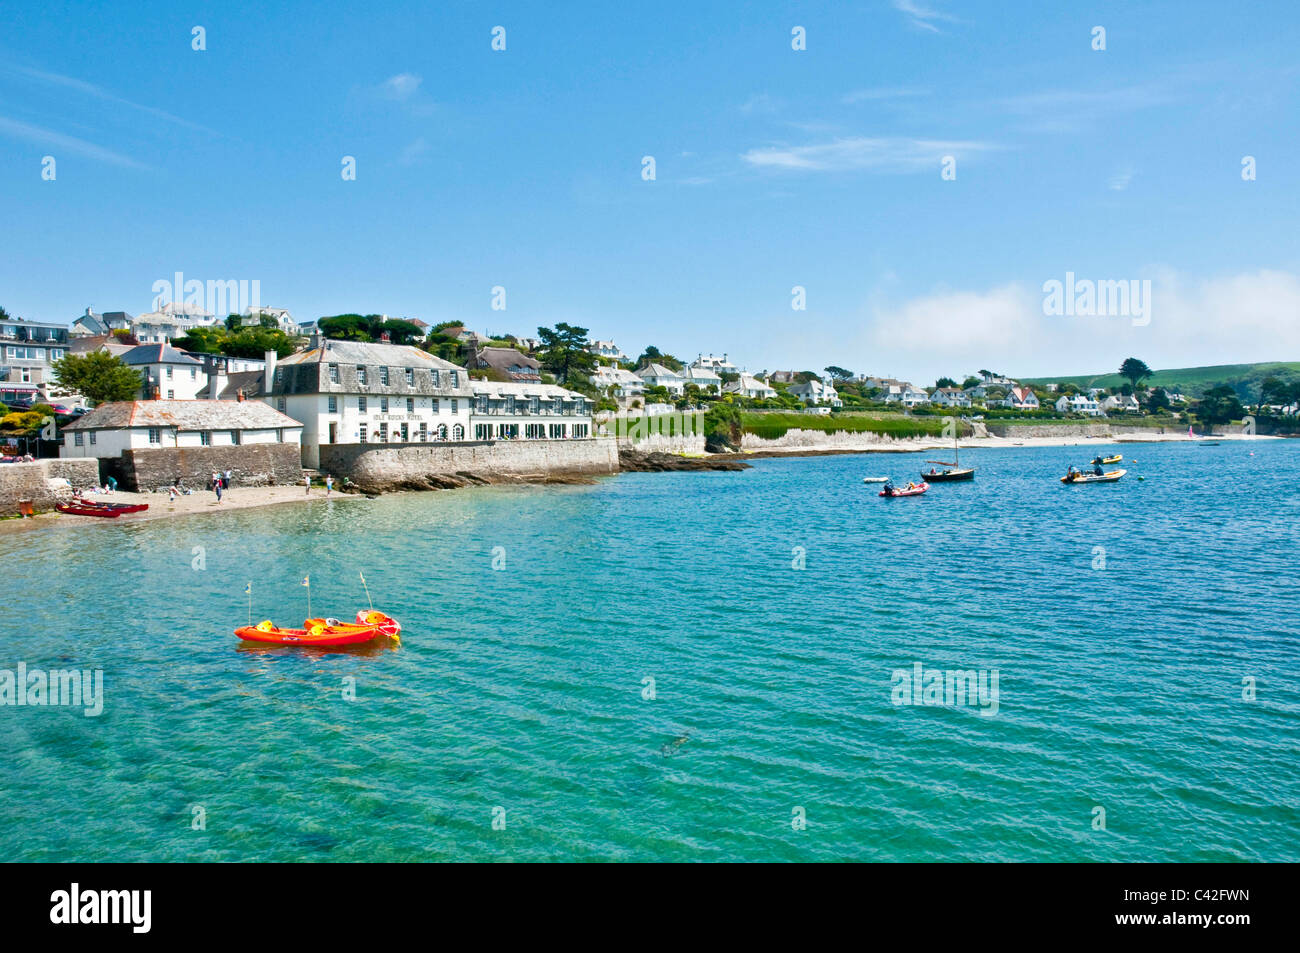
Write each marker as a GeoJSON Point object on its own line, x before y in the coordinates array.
{"type": "Point", "coordinates": [200, 501]}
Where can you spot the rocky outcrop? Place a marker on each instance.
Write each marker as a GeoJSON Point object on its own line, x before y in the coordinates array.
{"type": "Point", "coordinates": [636, 461]}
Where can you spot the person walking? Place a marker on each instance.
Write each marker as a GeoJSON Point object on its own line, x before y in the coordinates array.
{"type": "Point", "coordinates": [216, 485]}
{"type": "Point", "coordinates": [306, 482]}
{"type": "Point", "coordinates": [226, 479]}
{"type": "Point", "coordinates": [329, 483]}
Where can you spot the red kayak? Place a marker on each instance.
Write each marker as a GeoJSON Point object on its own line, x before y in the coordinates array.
{"type": "Point", "coordinates": [387, 624]}
{"type": "Point", "coordinates": [317, 634]}
{"type": "Point", "coordinates": [82, 507]}
{"type": "Point", "coordinates": [911, 490]}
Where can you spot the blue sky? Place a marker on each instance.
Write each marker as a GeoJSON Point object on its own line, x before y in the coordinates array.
{"type": "Point", "coordinates": [774, 168]}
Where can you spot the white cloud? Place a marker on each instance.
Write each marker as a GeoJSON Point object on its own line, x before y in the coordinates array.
{"type": "Point", "coordinates": [1120, 180]}
{"type": "Point", "coordinates": [400, 87]}
{"type": "Point", "coordinates": [1247, 317]}
{"type": "Point", "coordinates": [56, 141]}
{"type": "Point", "coordinates": [98, 92]}
{"type": "Point", "coordinates": [921, 16]}
{"type": "Point", "coordinates": [893, 154]}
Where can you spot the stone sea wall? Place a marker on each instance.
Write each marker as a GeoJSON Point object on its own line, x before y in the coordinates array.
{"type": "Point", "coordinates": [821, 440]}
{"type": "Point", "coordinates": [26, 481]}
{"type": "Point", "coordinates": [379, 468]}
{"type": "Point", "coordinates": [253, 464]}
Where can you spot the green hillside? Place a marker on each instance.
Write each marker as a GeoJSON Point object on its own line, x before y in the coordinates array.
{"type": "Point", "coordinates": [1192, 381]}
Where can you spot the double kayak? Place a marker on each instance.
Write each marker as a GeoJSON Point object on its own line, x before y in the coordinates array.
{"type": "Point", "coordinates": [1109, 476]}
{"type": "Point", "coordinates": [912, 489]}
{"type": "Point", "coordinates": [81, 507]}
{"type": "Point", "coordinates": [323, 632]}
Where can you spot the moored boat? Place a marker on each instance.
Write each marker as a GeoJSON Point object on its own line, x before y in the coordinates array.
{"type": "Point", "coordinates": [912, 489]}
{"type": "Point", "coordinates": [1110, 476]}
{"type": "Point", "coordinates": [387, 624]}
{"type": "Point", "coordinates": [318, 632]}
{"type": "Point", "coordinates": [875, 479]}
{"type": "Point", "coordinates": [951, 475]}
{"type": "Point", "coordinates": [1101, 461]}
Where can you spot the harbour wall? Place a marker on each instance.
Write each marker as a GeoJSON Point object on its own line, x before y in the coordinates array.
{"type": "Point", "coordinates": [379, 468]}
{"type": "Point", "coordinates": [27, 481]}
{"type": "Point", "coordinates": [250, 464]}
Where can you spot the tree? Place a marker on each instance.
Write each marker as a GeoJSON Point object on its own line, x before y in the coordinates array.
{"type": "Point", "coordinates": [400, 331]}
{"type": "Point", "coordinates": [98, 376]}
{"type": "Point", "coordinates": [348, 327]}
{"type": "Point", "coordinates": [652, 355]}
{"type": "Point", "coordinates": [1219, 405]}
{"type": "Point", "coordinates": [945, 382]}
{"type": "Point", "coordinates": [565, 351]}
{"type": "Point", "coordinates": [1157, 400]}
{"type": "Point", "coordinates": [970, 382]}
{"type": "Point", "coordinates": [838, 373]}
{"type": "Point", "coordinates": [1134, 370]}
{"type": "Point", "coordinates": [1274, 390]}
{"type": "Point", "coordinates": [4, 315]}
{"type": "Point", "coordinates": [722, 430]}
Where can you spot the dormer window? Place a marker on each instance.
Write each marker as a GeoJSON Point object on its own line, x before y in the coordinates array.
{"type": "Point", "coordinates": [361, 375]}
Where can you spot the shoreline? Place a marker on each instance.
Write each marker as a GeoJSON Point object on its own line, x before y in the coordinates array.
{"type": "Point", "coordinates": [241, 498]}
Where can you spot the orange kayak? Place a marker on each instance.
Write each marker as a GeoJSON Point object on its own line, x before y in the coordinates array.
{"type": "Point", "coordinates": [315, 632]}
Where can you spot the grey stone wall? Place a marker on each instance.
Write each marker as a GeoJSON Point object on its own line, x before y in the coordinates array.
{"type": "Point", "coordinates": [26, 481]}
{"type": "Point", "coordinates": [254, 464]}
{"type": "Point", "coordinates": [377, 468]}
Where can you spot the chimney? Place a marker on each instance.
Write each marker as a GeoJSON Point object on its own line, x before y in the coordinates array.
{"type": "Point", "coordinates": [268, 382]}
{"type": "Point", "coordinates": [216, 381]}
{"type": "Point", "coordinates": [385, 337]}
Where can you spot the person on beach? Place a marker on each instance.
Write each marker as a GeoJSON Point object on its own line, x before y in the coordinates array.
{"type": "Point", "coordinates": [329, 483]}
{"type": "Point", "coordinates": [306, 482]}
{"type": "Point", "coordinates": [226, 479]}
{"type": "Point", "coordinates": [216, 485]}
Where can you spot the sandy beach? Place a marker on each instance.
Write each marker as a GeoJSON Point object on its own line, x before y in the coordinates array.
{"type": "Point", "coordinates": [200, 501]}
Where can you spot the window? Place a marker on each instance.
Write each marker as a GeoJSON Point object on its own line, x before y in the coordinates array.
{"type": "Point", "coordinates": [277, 379]}
{"type": "Point", "coordinates": [410, 377]}
{"type": "Point", "coordinates": [361, 434]}
{"type": "Point", "coordinates": [455, 378]}
{"type": "Point", "coordinates": [194, 373]}
{"type": "Point", "coordinates": [510, 405]}
{"type": "Point", "coordinates": [361, 374]}
{"type": "Point", "coordinates": [535, 431]}
{"type": "Point", "coordinates": [383, 433]}
{"type": "Point", "coordinates": [458, 432]}
{"type": "Point", "coordinates": [92, 438]}
{"type": "Point", "coordinates": [406, 434]}
{"type": "Point", "coordinates": [361, 405]}
{"type": "Point", "coordinates": [155, 435]}
{"type": "Point", "coordinates": [383, 405]}
{"type": "Point", "coordinates": [580, 430]}
{"type": "Point", "coordinates": [205, 438]}
{"type": "Point", "coordinates": [424, 431]}
{"type": "Point", "coordinates": [442, 431]}
{"type": "Point", "coordinates": [482, 431]}
{"type": "Point", "coordinates": [410, 405]}
{"type": "Point", "coordinates": [435, 378]}
{"type": "Point", "coordinates": [453, 405]}
{"type": "Point", "coordinates": [333, 405]}
{"type": "Point", "coordinates": [535, 404]}
{"type": "Point", "coordinates": [171, 395]}
{"type": "Point", "coordinates": [334, 373]}
{"type": "Point", "coordinates": [77, 440]}
{"type": "Point", "coordinates": [557, 431]}
{"type": "Point", "coordinates": [434, 403]}
{"type": "Point", "coordinates": [383, 376]}
{"type": "Point", "coordinates": [169, 372]}
{"type": "Point", "coordinates": [280, 404]}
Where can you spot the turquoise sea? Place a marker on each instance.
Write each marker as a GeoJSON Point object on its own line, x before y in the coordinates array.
{"type": "Point", "coordinates": [518, 694]}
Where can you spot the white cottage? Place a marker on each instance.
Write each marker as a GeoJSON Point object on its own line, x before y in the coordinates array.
{"type": "Point", "coordinates": [114, 427]}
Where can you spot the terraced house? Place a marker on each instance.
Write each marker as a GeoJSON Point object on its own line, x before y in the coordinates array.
{"type": "Point", "coordinates": [28, 349]}
{"type": "Point", "coordinates": [348, 392]}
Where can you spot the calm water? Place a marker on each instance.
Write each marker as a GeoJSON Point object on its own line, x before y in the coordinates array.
{"type": "Point", "coordinates": [522, 688]}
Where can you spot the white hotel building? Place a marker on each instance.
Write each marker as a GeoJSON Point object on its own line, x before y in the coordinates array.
{"type": "Point", "coordinates": [347, 392]}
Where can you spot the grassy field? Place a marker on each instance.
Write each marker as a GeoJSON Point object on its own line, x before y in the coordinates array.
{"type": "Point", "coordinates": [774, 425]}
{"type": "Point", "coordinates": [1192, 381]}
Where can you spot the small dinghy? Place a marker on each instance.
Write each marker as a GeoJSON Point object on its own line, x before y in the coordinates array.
{"type": "Point", "coordinates": [1100, 461]}
{"type": "Point", "coordinates": [1110, 476]}
{"type": "Point", "coordinates": [912, 489]}
{"type": "Point", "coordinates": [875, 479]}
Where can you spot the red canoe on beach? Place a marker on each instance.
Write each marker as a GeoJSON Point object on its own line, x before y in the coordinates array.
{"type": "Point", "coordinates": [82, 507]}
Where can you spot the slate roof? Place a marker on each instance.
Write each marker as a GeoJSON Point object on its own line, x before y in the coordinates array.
{"type": "Point", "coordinates": [184, 415]}
{"type": "Point", "coordinates": [157, 354]}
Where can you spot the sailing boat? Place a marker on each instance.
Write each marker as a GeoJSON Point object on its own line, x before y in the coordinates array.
{"type": "Point", "coordinates": [954, 472]}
